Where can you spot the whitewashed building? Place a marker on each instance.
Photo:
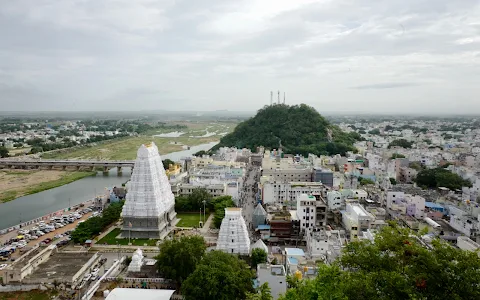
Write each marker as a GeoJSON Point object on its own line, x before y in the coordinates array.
{"type": "Point", "coordinates": [150, 204]}
{"type": "Point", "coordinates": [311, 211]}
{"type": "Point", "coordinates": [275, 276]}
{"type": "Point", "coordinates": [287, 192]}
{"type": "Point", "coordinates": [325, 244]}
{"type": "Point", "coordinates": [233, 236]}
{"type": "Point", "coordinates": [356, 219]}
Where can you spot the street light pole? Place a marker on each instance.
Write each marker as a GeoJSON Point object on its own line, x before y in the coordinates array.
{"type": "Point", "coordinates": [204, 220]}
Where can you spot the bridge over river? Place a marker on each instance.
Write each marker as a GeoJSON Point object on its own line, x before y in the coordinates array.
{"type": "Point", "coordinates": [64, 164]}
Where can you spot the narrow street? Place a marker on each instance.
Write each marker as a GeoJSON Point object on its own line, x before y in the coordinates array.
{"type": "Point", "coordinates": [247, 196]}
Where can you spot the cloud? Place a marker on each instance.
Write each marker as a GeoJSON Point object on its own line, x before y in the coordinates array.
{"type": "Point", "coordinates": [386, 85]}
{"type": "Point", "coordinates": [226, 54]}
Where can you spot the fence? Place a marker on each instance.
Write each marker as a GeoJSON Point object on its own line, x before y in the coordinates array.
{"type": "Point", "coordinates": [130, 279]}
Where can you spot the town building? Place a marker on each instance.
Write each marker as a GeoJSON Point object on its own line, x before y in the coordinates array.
{"type": "Point", "coordinates": [287, 192]}
{"type": "Point", "coordinates": [324, 244]}
{"type": "Point", "coordinates": [149, 209]}
{"type": "Point", "coordinates": [311, 211]}
{"type": "Point", "coordinates": [275, 276]}
{"type": "Point", "coordinates": [322, 175]}
{"type": "Point", "coordinates": [356, 220]}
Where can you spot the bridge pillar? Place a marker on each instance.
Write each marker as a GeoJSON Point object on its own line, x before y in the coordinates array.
{"type": "Point", "coordinates": [78, 168]}
{"type": "Point", "coordinates": [119, 170]}
{"type": "Point", "coordinates": [50, 167]}
{"type": "Point", "coordinates": [64, 168]}
{"type": "Point", "coordinates": [105, 170]}
{"type": "Point", "coordinates": [92, 168]}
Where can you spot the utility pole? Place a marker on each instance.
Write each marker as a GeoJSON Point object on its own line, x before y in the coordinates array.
{"type": "Point", "coordinates": [278, 97]}
{"type": "Point", "coordinates": [271, 98]}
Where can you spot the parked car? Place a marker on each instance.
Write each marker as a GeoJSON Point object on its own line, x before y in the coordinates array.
{"type": "Point", "coordinates": [3, 266]}
{"type": "Point", "coordinates": [62, 243]}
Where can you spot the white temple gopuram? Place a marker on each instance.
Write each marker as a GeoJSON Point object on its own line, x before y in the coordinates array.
{"type": "Point", "coordinates": [150, 204]}
{"type": "Point", "coordinates": [233, 235]}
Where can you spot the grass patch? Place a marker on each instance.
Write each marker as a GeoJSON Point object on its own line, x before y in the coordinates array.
{"type": "Point", "coordinates": [32, 188]}
{"type": "Point", "coordinates": [68, 178]}
{"type": "Point", "coordinates": [8, 196]}
{"type": "Point", "coordinates": [126, 148]}
{"type": "Point", "coordinates": [188, 219]}
{"type": "Point", "coordinates": [111, 239]}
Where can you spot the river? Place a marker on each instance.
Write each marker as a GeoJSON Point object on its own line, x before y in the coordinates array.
{"type": "Point", "coordinates": [36, 205]}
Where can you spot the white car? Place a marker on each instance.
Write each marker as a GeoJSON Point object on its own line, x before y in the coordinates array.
{"type": "Point", "coordinates": [3, 266]}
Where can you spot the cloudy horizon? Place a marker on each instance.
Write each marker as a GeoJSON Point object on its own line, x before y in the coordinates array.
{"type": "Point", "coordinates": [343, 56]}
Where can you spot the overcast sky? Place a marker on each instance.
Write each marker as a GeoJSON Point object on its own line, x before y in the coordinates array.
{"type": "Point", "coordinates": [336, 55]}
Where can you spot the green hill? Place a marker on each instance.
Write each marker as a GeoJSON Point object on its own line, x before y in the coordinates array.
{"type": "Point", "coordinates": [300, 128]}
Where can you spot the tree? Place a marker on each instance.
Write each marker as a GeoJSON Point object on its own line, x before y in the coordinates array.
{"type": "Point", "coordinates": [263, 293]}
{"type": "Point", "coordinates": [365, 181]}
{"type": "Point", "coordinates": [415, 165]}
{"type": "Point", "coordinates": [95, 225]}
{"type": "Point", "coordinates": [219, 276]}
{"type": "Point", "coordinates": [258, 256]}
{"type": "Point", "coordinates": [393, 180]}
{"type": "Point", "coordinates": [200, 153]}
{"type": "Point", "coordinates": [400, 143]}
{"type": "Point", "coordinates": [395, 266]}
{"type": "Point", "coordinates": [300, 129]}
{"type": "Point", "coordinates": [3, 152]}
{"type": "Point", "coordinates": [374, 131]}
{"type": "Point", "coordinates": [397, 155]}
{"type": "Point", "coordinates": [219, 204]}
{"type": "Point", "coordinates": [178, 258]}
{"type": "Point", "coordinates": [389, 128]}
{"type": "Point", "coordinates": [167, 162]}
{"type": "Point", "coordinates": [440, 177]}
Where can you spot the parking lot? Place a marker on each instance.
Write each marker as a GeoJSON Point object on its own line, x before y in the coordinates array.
{"type": "Point", "coordinates": [53, 235]}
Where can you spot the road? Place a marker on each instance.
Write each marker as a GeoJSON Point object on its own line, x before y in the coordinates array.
{"type": "Point", "coordinates": [247, 195]}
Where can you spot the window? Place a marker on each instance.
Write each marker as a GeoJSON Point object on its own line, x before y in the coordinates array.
{"type": "Point", "coordinates": [232, 232]}
{"type": "Point", "coordinates": [233, 241]}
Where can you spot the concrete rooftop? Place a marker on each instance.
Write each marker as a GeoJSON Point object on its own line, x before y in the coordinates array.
{"type": "Point", "coordinates": [61, 266]}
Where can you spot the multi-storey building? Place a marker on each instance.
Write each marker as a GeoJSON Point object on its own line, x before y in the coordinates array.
{"type": "Point", "coordinates": [356, 219]}
{"type": "Point", "coordinates": [275, 276]}
{"type": "Point", "coordinates": [287, 192]}
{"type": "Point", "coordinates": [311, 211]}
